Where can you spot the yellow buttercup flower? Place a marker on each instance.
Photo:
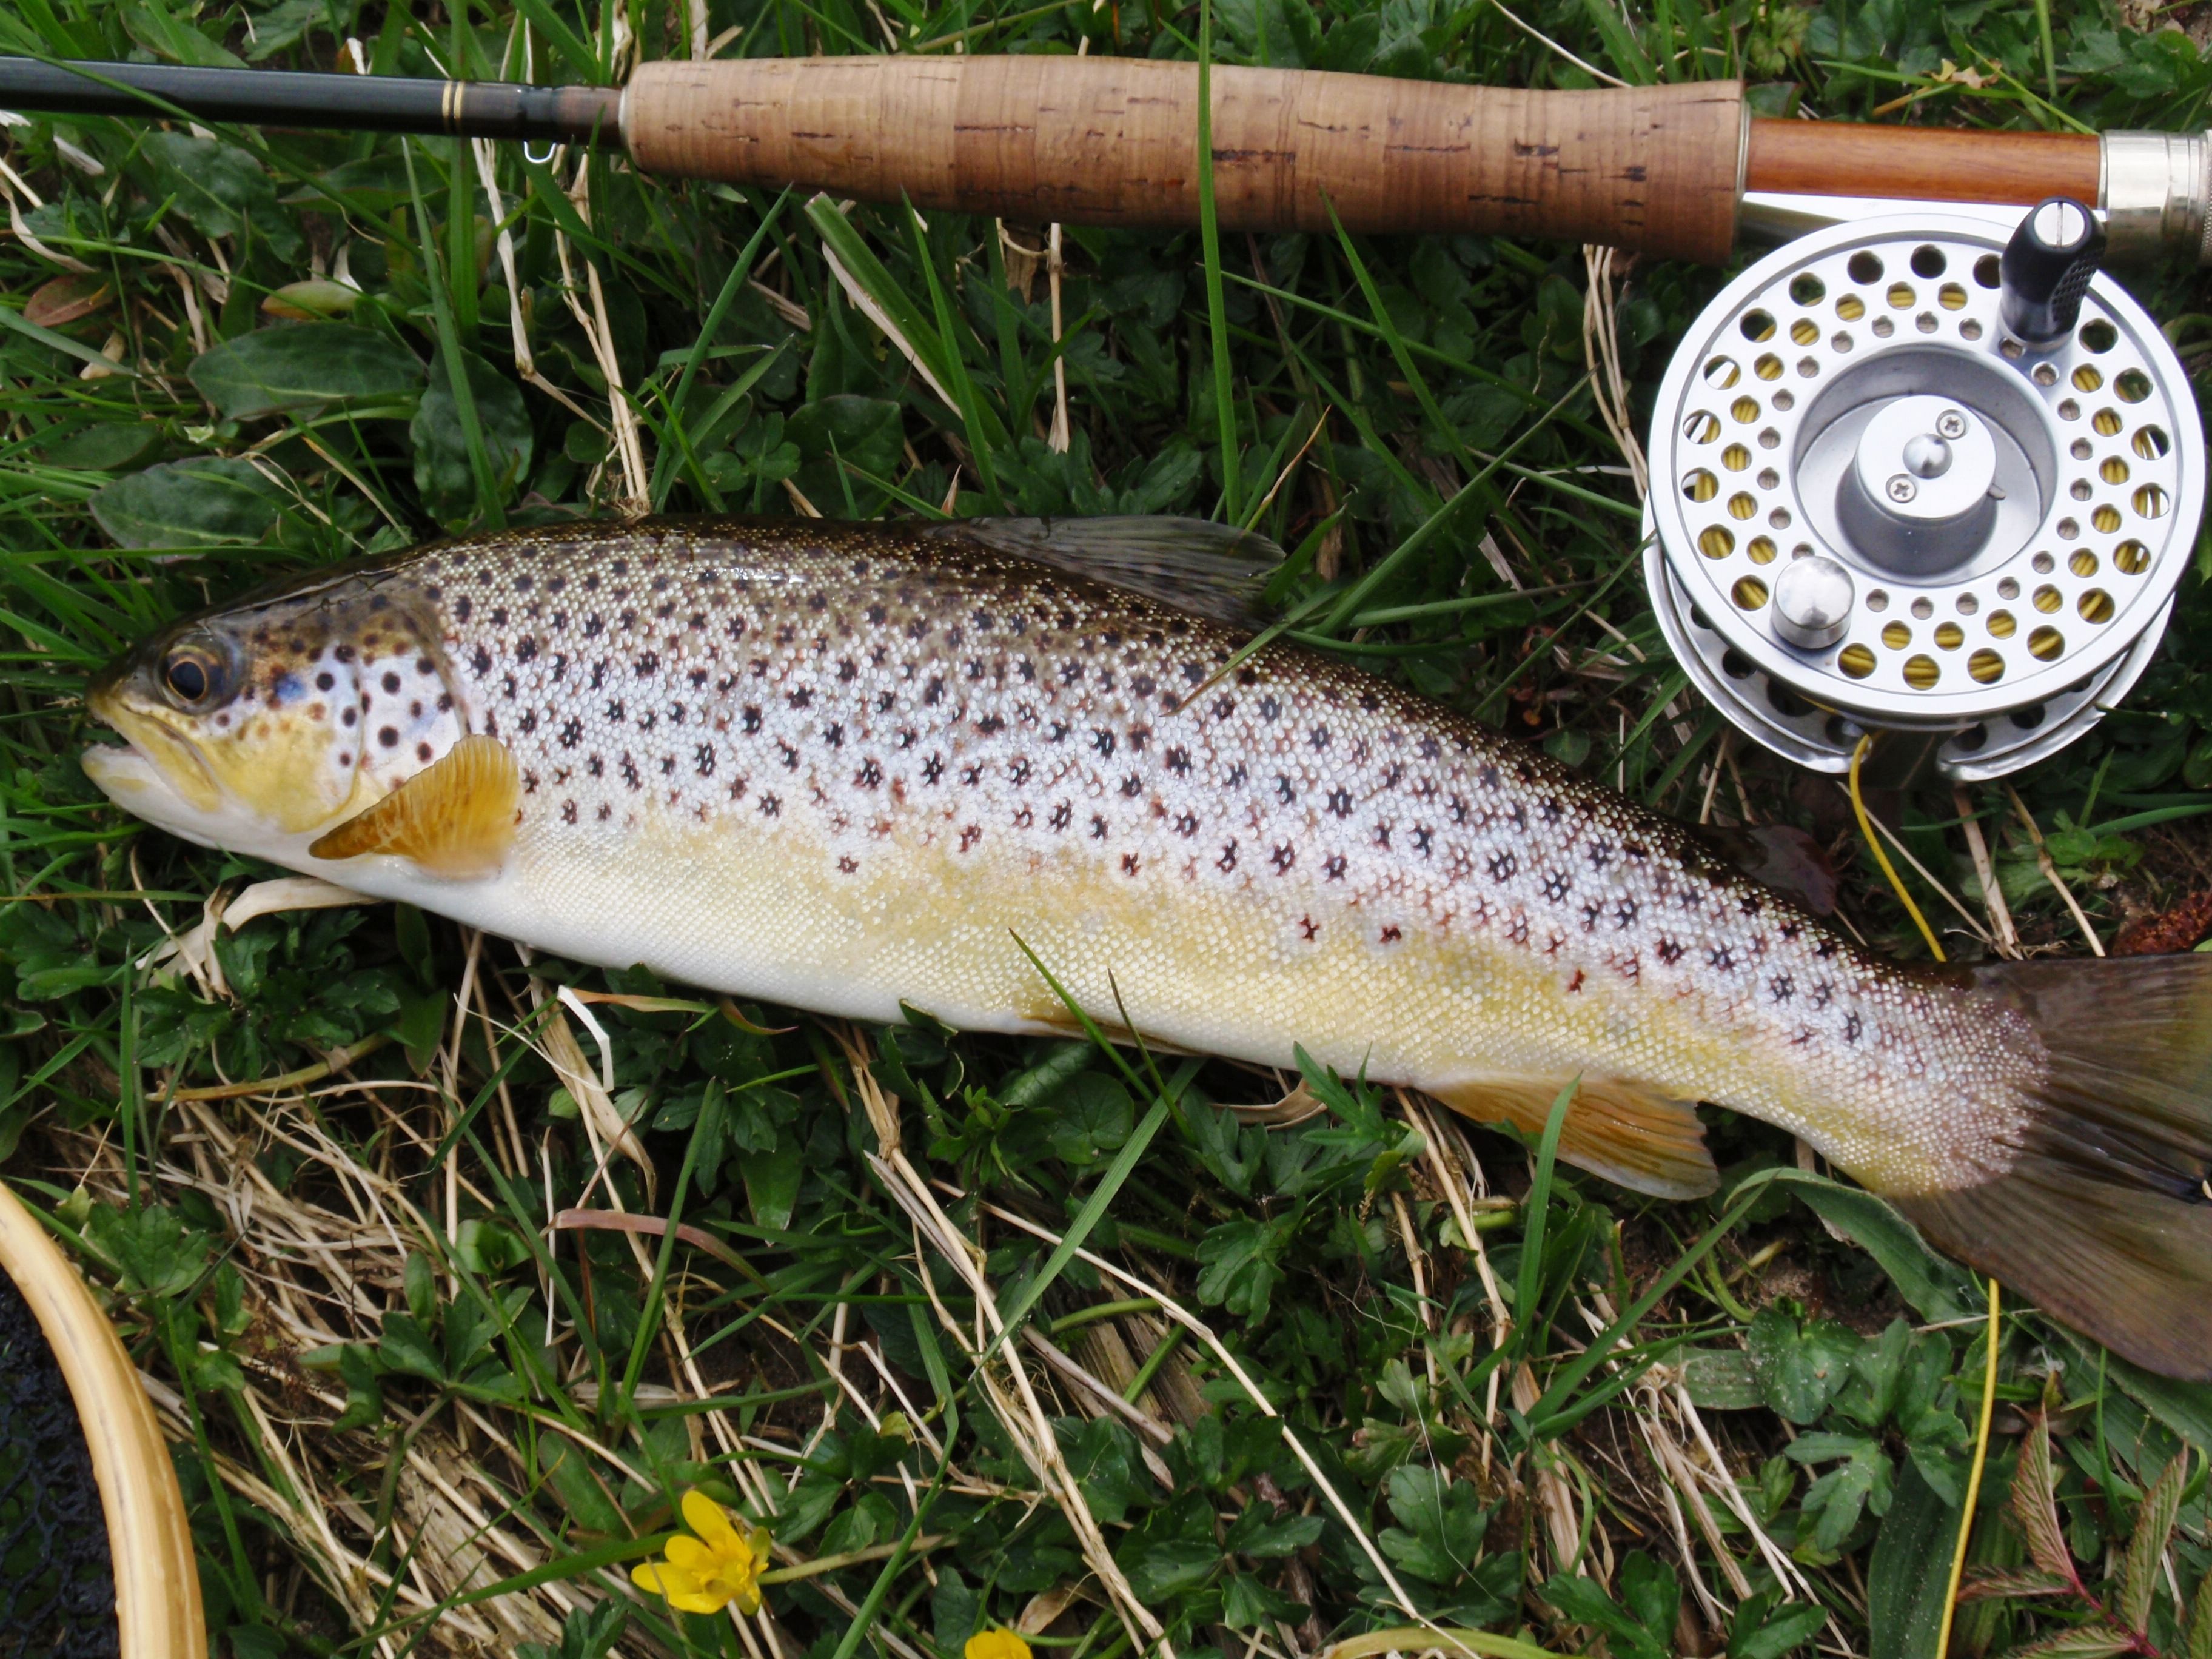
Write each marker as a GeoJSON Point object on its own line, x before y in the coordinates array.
{"type": "Point", "coordinates": [722, 1565]}
{"type": "Point", "coordinates": [996, 1645]}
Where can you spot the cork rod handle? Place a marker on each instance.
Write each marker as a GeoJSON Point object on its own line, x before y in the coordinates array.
{"type": "Point", "coordinates": [1113, 142]}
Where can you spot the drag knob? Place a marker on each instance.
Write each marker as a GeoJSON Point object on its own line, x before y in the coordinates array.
{"type": "Point", "coordinates": [2047, 269]}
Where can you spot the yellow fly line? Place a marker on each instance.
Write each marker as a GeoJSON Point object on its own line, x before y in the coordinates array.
{"type": "Point", "coordinates": [1989, 1368]}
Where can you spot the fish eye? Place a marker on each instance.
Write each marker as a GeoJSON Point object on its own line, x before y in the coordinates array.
{"type": "Point", "coordinates": [193, 674]}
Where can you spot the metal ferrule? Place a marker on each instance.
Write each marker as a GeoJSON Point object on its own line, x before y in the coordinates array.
{"type": "Point", "coordinates": [2155, 187]}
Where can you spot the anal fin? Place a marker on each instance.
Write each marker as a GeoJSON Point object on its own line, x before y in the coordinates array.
{"type": "Point", "coordinates": [1626, 1131]}
{"type": "Point", "coordinates": [454, 819]}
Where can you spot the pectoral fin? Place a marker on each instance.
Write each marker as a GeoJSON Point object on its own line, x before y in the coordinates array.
{"type": "Point", "coordinates": [454, 819]}
{"type": "Point", "coordinates": [1626, 1131]}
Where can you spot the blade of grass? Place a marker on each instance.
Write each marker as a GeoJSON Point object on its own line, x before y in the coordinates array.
{"type": "Point", "coordinates": [449, 351]}
{"type": "Point", "coordinates": [1217, 315]}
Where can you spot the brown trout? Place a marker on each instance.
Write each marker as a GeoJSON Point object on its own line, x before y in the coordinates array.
{"type": "Point", "coordinates": [845, 766]}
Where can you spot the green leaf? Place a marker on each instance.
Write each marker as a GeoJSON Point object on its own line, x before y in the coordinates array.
{"type": "Point", "coordinates": [1908, 1576]}
{"type": "Point", "coordinates": [1936, 1288]}
{"type": "Point", "coordinates": [1246, 1602]}
{"type": "Point", "coordinates": [1642, 1623]}
{"type": "Point", "coordinates": [222, 190]}
{"type": "Point", "coordinates": [1762, 1630]}
{"type": "Point", "coordinates": [303, 366]}
{"type": "Point", "coordinates": [106, 447]}
{"type": "Point", "coordinates": [1799, 1368]}
{"type": "Point", "coordinates": [10, 318]}
{"type": "Point", "coordinates": [1440, 1523]}
{"type": "Point", "coordinates": [1103, 1457]}
{"type": "Point", "coordinates": [2035, 1504]}
{"type": "Point", "coordinates": [772, 1182]}
{"type": "Point", "coordinates": [1986, 1583]}
{"type": "Point", "coordinates": [1239, 1265]}
{"type": "Point", "coordinates": [444, 468]}
{"type": "Point", "coordinates": [1091, 1117]}
{"type": "Point", "coordinates": [406, 1346]}
{"type": "Point", "coordinates": [2139, 1570]}
{"type": "Point", "coordinates": [1169, 1566]}
{"type": "Point", "coordinates": [1721, 1379]}
{"type": "Point", "coordinates": [1841, 1496]}
{"type": "Point", "coordinates": [2199, 1625]}
{"type": "Point", "coordinates": [152, 27]}
{"type": "Point", "coordinates": [1265, 1535]}
{"type": "Point", "coordinates": [2086, 1641]}
{"type": "Point", "coordinates": [205, 500]}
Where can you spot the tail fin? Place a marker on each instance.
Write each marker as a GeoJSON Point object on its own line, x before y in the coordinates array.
{"type": "Point", "coordinates": [2105, 1215]}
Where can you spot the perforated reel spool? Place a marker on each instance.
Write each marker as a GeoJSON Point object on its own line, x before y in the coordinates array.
{"type": "Point", "coordinates": [1872, 509]}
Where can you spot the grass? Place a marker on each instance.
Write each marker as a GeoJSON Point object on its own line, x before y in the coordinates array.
{"type": "Point", "coordinates": [454, 1269]}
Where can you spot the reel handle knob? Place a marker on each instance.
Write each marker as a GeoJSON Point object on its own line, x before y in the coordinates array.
{"type": "Point", "coordinates": [2047, 269]}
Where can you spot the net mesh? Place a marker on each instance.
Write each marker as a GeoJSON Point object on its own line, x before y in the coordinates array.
{"type": "Point", "coordinates": [56, 1582]}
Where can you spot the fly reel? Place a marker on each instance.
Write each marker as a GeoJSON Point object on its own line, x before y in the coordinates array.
{"type": "Point", "coordinates": [1908, 477]}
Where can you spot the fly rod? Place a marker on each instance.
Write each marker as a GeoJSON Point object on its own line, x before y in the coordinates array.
{"type": "Point", "coordinates": [1112, 141]}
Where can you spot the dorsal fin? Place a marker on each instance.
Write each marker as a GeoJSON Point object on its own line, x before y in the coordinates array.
{"type": "Point", "coordinates": [1627, 1131]}
{"type": "Point", "coordinates": [453, 819]}
{"type": "Point", "coordinates": [1209, 569]}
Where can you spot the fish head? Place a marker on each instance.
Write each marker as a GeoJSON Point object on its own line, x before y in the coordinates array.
{"type": "Point", "coordinates": [250, 725]}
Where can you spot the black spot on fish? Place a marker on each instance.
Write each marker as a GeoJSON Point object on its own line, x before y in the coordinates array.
{"type": "Point", "coordinates": [389, 737]}
{"type": "Point", "coordinates": [1228, 859]}
{"type": "Point", "coordinates": [1503, 865]}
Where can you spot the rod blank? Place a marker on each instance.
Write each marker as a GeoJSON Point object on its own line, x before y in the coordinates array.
{"type": "Point", "coordinates": [286, 98]}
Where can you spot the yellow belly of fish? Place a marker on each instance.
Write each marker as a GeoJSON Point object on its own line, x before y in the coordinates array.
{"type": "Point", "coordinates": [1475, 1022]}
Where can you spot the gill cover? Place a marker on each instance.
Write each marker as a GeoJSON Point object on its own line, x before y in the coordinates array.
{"type": "Point", "coordinates": [290, 709]}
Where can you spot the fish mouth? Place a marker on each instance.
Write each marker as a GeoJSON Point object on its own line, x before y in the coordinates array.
{"type": "Point", "coordinates": [155, 757]}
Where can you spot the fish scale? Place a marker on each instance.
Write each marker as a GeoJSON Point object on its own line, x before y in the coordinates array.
{"type": "Point", "coordinates": [854, 768]}
{"type": "Point", "coordinates": [847, 705]}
